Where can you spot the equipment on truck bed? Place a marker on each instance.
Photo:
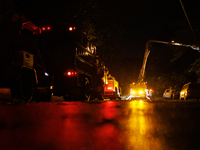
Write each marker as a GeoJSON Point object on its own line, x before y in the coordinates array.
{"type": "Point", "coordinates": [77, 69]}
{"type": "Point", "coordinates": [139, 89]}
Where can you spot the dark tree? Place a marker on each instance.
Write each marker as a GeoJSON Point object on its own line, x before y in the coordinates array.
{"type": "Point", "coordinates": [7, 9]}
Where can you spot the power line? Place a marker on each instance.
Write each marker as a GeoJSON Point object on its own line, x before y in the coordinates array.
{"type": "Point", "coordinates": [187, 19]}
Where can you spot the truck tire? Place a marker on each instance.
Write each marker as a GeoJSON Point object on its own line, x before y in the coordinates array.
{"type": "Point", "coordinates": [100, 97]}
{"type": "Point", "coordinates": [185, 98]}
{"type": "Point", "coordinates": [23, 89]}
{"type": "Point", "coordinates": [47, 97]}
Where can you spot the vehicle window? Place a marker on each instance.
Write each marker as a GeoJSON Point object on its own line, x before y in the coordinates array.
{"type": "Point", "coordinates": [167, 90]}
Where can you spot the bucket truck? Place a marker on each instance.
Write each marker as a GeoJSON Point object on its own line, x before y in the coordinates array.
{"type": "Point", "coordinates": [139, 89]}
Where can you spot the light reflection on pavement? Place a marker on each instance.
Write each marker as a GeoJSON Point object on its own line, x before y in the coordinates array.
{"type": "Point", "coordinates": [140, 127]}
{"type": "Point", "coordinates": [107, 125]}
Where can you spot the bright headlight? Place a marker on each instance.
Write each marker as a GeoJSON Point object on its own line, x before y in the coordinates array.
{"type": "Point", "coordinates": [141, 92]}
{"type": "Point", "coordinates": [46, 74]}
{"type": "Point", "coordinates": [132, 92]}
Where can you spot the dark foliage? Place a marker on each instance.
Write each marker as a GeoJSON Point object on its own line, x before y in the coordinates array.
{"type": "Point", "coordinates": [7, 9]}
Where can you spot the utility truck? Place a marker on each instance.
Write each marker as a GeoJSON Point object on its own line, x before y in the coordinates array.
{"type": "Point", "coordinates": [112, 89]}
{"type": "Point", "coordinates": [21, 64]}
{"type": "Point", "coordinates": [77, 70]}
{"type": "Point", "coordinates": [139, 89]}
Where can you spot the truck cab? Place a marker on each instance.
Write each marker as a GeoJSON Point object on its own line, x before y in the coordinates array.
{"type": "Point", "coordinates": [138, 90]}
{"type": "Point", "coordinates": [112, 89]}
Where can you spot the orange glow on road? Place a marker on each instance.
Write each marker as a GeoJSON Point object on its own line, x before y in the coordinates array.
{"type": "Point", "coordinates": [140, 128]}
{"type": "Point", "coordinates": [109, 125]}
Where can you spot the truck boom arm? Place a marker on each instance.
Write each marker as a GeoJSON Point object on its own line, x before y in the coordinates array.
{"type": "Point", "coordinates": [147, 51]}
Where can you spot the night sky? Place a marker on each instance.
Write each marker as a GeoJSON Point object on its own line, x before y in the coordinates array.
{"type": "Point", "coordinates": [158, 20]}
{"type": "Point", "coordinates": [143, 20]}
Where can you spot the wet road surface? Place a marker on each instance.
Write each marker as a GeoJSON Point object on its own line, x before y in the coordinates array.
{"type": "Point", "coordinates": [107, 125]}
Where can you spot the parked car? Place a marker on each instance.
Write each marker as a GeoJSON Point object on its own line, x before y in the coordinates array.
{"type": "Point", "coordinates": [190, 91]}
{"type": "Point", "coordinates": [168, 93]}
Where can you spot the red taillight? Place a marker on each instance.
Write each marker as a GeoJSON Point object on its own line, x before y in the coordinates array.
{"type": "Point", "coordinates": [46, 28]}
{"type": "Point", "coordinates": [72, 28]}
{"type": "Point", "coordinates": [70, 73]}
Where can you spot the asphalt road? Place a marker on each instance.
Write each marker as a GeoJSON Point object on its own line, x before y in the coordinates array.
{"type": "Point", "coordinates": [97, 125]}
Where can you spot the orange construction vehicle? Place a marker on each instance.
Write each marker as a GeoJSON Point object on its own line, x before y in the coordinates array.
{"type": "Point", "coordinates": [112, 89]}
{"type": "Point", "coordinates": [138, 90]}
